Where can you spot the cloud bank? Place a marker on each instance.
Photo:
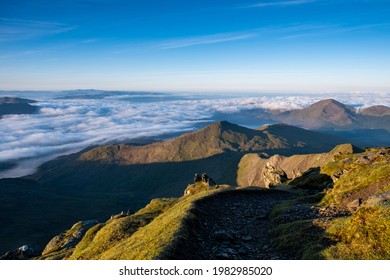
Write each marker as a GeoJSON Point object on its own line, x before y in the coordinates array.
{"type": "Point", "coordinates": [64, 126]}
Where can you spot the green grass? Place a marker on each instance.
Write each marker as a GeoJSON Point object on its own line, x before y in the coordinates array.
{"type": "Point", "coordinates": [299, 239]}
{"type": "Point", "coordinates": [153, 240]}
{"type": "Point", "coordinates": [364, 235]}
{"type": "Point", "coordinates": [145, 235]}
{"type": "Point", "coordinates": [358, 178]}
{"type": "Point", "coordinates": [102, 237]}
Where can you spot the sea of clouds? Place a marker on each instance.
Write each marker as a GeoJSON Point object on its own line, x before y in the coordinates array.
{"type": "Point", "coordinates": [67, 125]}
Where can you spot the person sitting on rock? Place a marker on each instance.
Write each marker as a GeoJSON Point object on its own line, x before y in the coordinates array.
{"type": "Point", "coordinates": [205, 178]}
{"type": "Point", "coordinates": [197, 178]}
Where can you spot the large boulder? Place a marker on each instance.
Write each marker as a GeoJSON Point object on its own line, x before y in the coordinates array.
{"type": "Point", "coordinates": [312, 179]}
{"type": "Point", "coordinates": [68, 239]}
{"type": "Point", "coordinates": [378, 199]}
{"type": "Point", "coordinates": [272, 175]}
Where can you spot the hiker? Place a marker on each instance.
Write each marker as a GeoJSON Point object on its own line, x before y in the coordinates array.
{"type": "Point", "coordinates": [197, 178]}
{"type": "Point", "coordinates": [205, 178]}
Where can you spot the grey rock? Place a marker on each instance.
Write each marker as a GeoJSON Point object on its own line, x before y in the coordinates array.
{"type": "Point", "coordinates": [70, 238]}
{"type": "Point", "coordinates": [378, 199]}
{"type": "Point", "coordinates": [222, 255]}
{"type": "Point", "coordinates": [247, 238]}
{"type": "Point", "coordinates": [273, 175]}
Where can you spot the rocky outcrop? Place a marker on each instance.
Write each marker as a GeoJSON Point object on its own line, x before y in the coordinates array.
{"type": "Point", "coordinates": [202, 187]}
{"type": "Point", "coordinates": [312, 179]}
{"type": "Point", "coordinates": [378, 199]}
{"type": "Point", "coordinates": [257, 171]}
{"type": "Point", "coordinates": [25, 252]}
{"type": "Point", "coordinates": [272, 175]}
{"type": "Point", "coordinates": [68, 239]}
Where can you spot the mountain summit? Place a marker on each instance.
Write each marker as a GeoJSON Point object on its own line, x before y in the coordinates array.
{"type": "Point", "coordinates": [324, 114]}
{"type": "Point", "coordinates": [212, 140]}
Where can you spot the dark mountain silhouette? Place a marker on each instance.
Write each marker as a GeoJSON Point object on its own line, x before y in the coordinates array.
{"type": "Point", "coordinates": [15, 100]}
{"type": "Point", "coordinates": [14, 105]}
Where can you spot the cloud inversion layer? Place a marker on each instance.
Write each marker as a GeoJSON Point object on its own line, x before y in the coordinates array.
{"type": "Point", "coordinates": [64, 126]}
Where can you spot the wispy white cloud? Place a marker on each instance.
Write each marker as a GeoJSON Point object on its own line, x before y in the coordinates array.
{"type": "Point", "coordinates": [89, 41]}
{"type": "Point", "coordinates": [281, 3]}
{"type": "Point", "coordinates": [206, 40]}
{"type": "Point", "coordinates": [17, 29]}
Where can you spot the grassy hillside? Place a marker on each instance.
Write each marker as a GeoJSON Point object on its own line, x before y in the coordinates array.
{"type": "Point", "coordinates": [350, 220]}
{"type": "Point", "coordinates": [148, 234]}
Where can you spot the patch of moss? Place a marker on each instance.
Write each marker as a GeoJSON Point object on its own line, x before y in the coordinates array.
{"type": "Point", "coordinates": [151, 241]}
{"type": "Point", "coordinates": [358, 178]}
{"type": "Point", "coordinates": [364, 235]}
{"type": "Point", "coordinates": [299, 239]}
{"type": "Point", "coordinates": [102, 237]}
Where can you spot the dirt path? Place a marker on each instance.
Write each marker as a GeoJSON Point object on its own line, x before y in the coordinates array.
{"type": "Point", "coordinates": [232, 225]}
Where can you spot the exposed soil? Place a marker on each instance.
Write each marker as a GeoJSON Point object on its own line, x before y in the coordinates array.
{"type": "Point", "coordinates": [232, 225]}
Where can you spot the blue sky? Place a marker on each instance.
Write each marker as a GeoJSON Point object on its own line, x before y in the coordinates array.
{"type": "Point", "coordinates": [204, 45]}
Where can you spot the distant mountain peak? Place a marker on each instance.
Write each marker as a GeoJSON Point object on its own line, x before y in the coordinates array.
{"type": "Point", "coordinates": [322, 114]}
{"type": "Point", "coordinates": [331, 104]}
{"type": "Point", "coordinates": [378, 111]}
{"type": "Point", "coordinates": [224, 126]}
{"type": "Point", "coordinates": [15, 100]}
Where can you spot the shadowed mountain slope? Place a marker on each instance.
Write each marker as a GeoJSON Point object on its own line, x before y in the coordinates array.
{"type": "Point", "coordinates": [215, 149]}
{"type": "Point", "coordinates": [215, 139]}
{"type": "Point", "coordinates": [95, 183]}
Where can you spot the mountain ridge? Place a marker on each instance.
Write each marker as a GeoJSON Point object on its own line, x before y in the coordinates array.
{"type": "Point", "coordinates": [212, 140]}
{"type": "Point", "coordinates": [94, 189]}
{"type": "Point", "coordinates": [15, 105]}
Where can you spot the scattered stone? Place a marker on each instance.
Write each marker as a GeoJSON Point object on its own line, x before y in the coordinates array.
{"type": "Point", "coordinates": [354, 205]}
{"type": "Point", "coordinates": [247, 238]}
{"type": "Point", "coordinates": [242, 251]}
{"type": "Point", "coordinates": [378, 199]}
{"type": "Point", "coordinates": [363, 159]}
{"type": "Point", "coordinates": [222, 256]}
{"type": "Point", "coordinates": [265, 247]}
